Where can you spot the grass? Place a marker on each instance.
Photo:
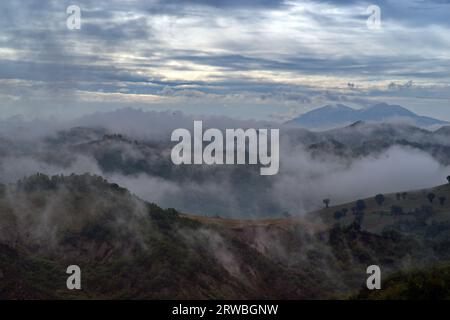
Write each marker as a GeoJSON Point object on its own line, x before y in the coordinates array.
{"type": "Point", "coordinates": [377, 217]}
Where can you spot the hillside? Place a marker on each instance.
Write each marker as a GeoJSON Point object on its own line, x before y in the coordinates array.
{"type": "Point", "coordinates": [392, 210]}
{"type": "Point", "coordinates": [130, 249]}
{"type": "Point", "coordinates": [414, 284]}
{"type": "Point", "coordinates": [143, 165]}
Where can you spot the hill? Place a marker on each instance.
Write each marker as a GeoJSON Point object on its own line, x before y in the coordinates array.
{"type": "Point", "coordinates": [131, 249]}
{"type": "Point", "coordinates": [398, 210]}
{"type": "Point", "coordinates": [415, 284]}
{"type": "Point", "coordinates": [332, 116]}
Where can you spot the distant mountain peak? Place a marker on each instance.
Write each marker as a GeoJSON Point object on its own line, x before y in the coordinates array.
{"type": "Point", "coordinates": [379, 105]}
{"type": "Point", "coordinates": [336, 107]}
{"type": "Point", "coordinates": [339, 115]}
{"type": "Point", "coordinates": [388, 110]}
{"type": "Point", "coordinates": [358, 123]}
{"type": "Point", "coordinates": [445, 130]}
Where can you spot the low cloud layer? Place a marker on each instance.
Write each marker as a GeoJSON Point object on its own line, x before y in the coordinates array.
{"type": "Point", "coordinates": [141, 163]}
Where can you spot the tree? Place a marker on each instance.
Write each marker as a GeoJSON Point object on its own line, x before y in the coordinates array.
{"type": "Point", "coordinates": [326, 202]}
{"type": "Point", "coordinates": [2, 190]}
{"type": "Point", "coordinates": [360, 205]}
{"type": "Point", "coordinates": [442, 200]}
{"type": "Point", "coordinates": [355, 226]}
{"type": "Point", "coordinates": [286, 214]}
{"type": "Point", "coordinates": [423, 214]}
{"type": "Point", "coordinates": [359, 217]}
{"type": "Point", "coordinates": [396, 210]}
{"type": "Point", "coordinates": [431, 197]}
{"type": "Point", "coordinates": [448, 179]}
{"type": "Point", "coordinates": [379, 198]}
{"type": "Point", "coordinates": [404, 194]}
{"type": "Point", "coordinates": [338, 215]}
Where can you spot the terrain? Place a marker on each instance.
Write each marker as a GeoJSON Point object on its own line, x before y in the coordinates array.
{"type": "Point", "coordinates": [332, 116]}
{"type": "Point", "coordinates": [130, 249]}
{"type": "Point", "coordinates": [313, 164]}
{"type": "Point", "coordinates": [102, 196]}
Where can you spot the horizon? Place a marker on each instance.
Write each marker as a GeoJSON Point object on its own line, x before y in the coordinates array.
{"type": "Point", "coordinates": [62, 120]}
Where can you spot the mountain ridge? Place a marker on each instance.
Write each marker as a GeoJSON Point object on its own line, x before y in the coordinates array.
{"type": "Point", "coordinates": [131, 249]}
{"type": "Point", "coordinates": [332, 116]}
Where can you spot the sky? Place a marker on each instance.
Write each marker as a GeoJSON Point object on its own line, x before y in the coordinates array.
{"type": "Point", "coordinates": [261, 59]}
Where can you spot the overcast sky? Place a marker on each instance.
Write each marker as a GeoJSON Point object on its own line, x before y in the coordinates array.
{"type": "Point", "coordinates": [269, 59]}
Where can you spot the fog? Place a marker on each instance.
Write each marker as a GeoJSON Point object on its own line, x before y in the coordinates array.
{"type": "Point", "coordinates": [303, 181]}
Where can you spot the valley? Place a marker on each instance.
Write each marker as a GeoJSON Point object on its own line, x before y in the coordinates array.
{"type": "Point", "coordinates": [112, 203]}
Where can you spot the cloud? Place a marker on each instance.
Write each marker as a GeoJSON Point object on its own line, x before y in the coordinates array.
{"type": "Point", "coordinates": [220, 48]}
{"type": "Point", "coordinates": [144, 167]}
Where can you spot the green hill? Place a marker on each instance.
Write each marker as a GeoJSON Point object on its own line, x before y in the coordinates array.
{"type": "Point", "coordinates": [131, 249]}
{"type": "Point", "coordinates": [396, 209]}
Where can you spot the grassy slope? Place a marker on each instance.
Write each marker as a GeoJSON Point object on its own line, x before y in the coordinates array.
{"type": "Point", "coordinates": [377, 217]}
{"type": "Point", "coordinates": [129, 249]}
{"type": "Point", "coordinates": [430, 281]}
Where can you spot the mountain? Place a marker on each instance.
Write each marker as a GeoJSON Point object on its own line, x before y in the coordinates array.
{"type": "Point", "coordinates": [131, 249]}
{"type": "Point", "coordinates": [371, 139]}
{"type": "Point", "coordinates": [332, 116]}
{"type": "Point", "coordinates": [328, 116]}
{"type": "Point", "coordinates": [401, 211]}
{"type": "Point", "coordinates": [443, 131]}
